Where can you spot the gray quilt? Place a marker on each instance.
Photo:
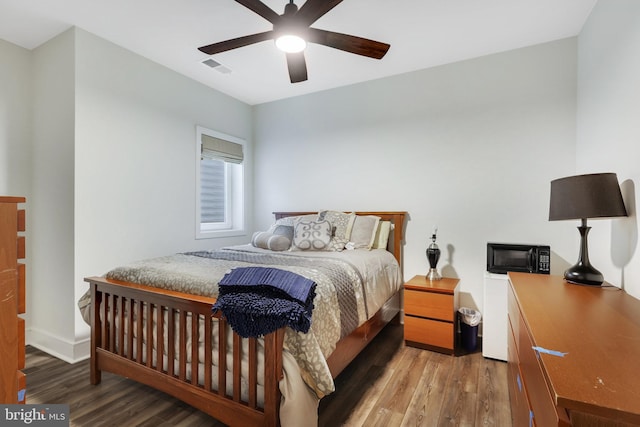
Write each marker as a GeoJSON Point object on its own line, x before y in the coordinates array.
{"type": "Point", "coordinates": [340, 305]}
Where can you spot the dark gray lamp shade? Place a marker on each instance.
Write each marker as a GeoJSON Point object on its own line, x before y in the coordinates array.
{"type": "Point", "coordinates": [586, 196]}
{"type": "Point", "coordinates": [581, 197]}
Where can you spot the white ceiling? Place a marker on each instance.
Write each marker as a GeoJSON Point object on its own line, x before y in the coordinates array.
{"type": "Point", "coordinates": [422, 34]}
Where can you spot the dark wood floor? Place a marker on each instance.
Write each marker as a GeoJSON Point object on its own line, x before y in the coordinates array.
{"type": "Point", "coordinates": [389, 384]}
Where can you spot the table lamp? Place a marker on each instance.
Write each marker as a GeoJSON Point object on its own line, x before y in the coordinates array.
{"type": "Point", "coordinates": [581, 197]}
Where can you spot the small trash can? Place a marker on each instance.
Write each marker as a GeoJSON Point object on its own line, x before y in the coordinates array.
{"type": "Point", "coordinates": [469, 321]}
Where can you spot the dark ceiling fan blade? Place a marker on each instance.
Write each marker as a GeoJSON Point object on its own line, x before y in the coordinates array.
{"type": "Point", "coordinates": [297, 67]}
{"type": "Point", "coordinates": [312, 10]}
{"type": "Point", "coordinates": [236, 43]}
{"type": "Point", "coordinates": [261, 9]}
{"type": "Point", "coordinates": [352, 44]}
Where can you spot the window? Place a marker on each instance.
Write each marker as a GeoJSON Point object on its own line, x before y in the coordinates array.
{"type": "Point", "coordinates": [219, 184]}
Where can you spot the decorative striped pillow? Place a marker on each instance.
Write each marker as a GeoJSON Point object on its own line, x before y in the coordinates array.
{"type": "Point", "coordinates": [273, 242]}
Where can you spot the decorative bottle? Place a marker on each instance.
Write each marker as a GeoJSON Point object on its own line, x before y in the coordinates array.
{"type": "Point", "coordinates": [433, 255]}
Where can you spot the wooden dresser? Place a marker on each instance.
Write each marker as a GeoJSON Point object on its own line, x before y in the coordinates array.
{"type": "Point", "coordinates": [430, 313]}
{"type": "Point", "coordinates": [573, 353]}
{"type": "Point", "coordinates": [12, 300]}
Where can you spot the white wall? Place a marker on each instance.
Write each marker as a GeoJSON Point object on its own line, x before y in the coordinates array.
{"type": "Point", "coordinates": [15, 131]}
{"type": "Point", "coordinates": [15, 120]}
{"type": "Point", "coordinates": [470, 147]}
{"type": "Point", "coordinates": [50, 289]}
{"type": "Point", "coordinates": [608, 136]}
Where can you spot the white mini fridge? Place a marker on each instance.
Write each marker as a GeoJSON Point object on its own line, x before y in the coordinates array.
{"type": "Point", "coordinates": [494, 316]}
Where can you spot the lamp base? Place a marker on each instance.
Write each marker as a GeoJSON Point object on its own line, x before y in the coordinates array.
{"type": "Point", "coordinates": [433, 275]}
{"type": "Point", "coordinates": [584, 275]}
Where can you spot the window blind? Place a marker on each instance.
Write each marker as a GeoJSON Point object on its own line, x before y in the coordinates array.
{"type": "Point", "coordinates": [215, 148]}
{"type": "Point", "coordinates": [212, 191]}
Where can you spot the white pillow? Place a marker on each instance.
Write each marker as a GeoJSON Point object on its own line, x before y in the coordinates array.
{"type": "Point", "coordinates": [382, 235]}
{"type": "Point", "coordinates": [363, 232]}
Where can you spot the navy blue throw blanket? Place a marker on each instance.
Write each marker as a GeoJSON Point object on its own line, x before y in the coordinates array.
{"type": "Point", "coordinates": [259, 300]}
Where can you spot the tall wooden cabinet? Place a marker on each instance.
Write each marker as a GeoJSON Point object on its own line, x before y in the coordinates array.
{"type": "Point", "coordinates": [12, 300]}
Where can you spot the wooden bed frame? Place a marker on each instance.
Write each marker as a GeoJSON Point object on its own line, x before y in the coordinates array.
{"type": "Point", "coordinates": [114, 350]}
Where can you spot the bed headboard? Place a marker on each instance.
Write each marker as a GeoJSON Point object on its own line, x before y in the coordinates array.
{"type": "Point", "coordinates": [395, 238]}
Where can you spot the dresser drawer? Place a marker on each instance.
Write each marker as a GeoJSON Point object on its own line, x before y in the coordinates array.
{"type": "Point", "coordinates": [430, 332]}
{"type": "Point", "coordinates": [21, 344]}
{"type": "Point", "coordinates": [544, 409]}
{"type": "Point", "coordinates": [520, 406]}
{"type": "Point", "coordinates": [22, 220]}
{"type": "Point", "coordinates": [429, 304]}
{"type": "Point", "coordinates": [21, 379]}
{"type": "Point", "coordinates": [22, 247]}
{"type": "Point", "coordinates": [22, 288]}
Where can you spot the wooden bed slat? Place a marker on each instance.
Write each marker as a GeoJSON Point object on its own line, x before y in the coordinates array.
{"type": "Point", "coordinates": [182, 353]}
{"type": "Point", "coordinates": [253, 371]}
{"type": "Point", "coordinates": [222, 359]}
{"type": "Point", "coordinates": [149, 323]}
{"type": "Point", "coordinates": [171, 339]}
{"type": "Point", "coordinates": [160, 339]}
{"type": "Point", "coordinates": [110, 315]}
{"type": "Point", "coordinates": [130, 307]}
{"type": "Point", "coordinates": [195, 320]}
{"type": "Point", "coordinates": [237, 366]}
{"type": "Point", "coordinates": [207, 353]}
{"type": "Point", "coordinates": [121, 321]}
{"type": "Point", "coordinates": [139, 340]}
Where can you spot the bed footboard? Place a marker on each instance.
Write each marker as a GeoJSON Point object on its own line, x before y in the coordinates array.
{"type": "Point", "coordinates": [171, 342]}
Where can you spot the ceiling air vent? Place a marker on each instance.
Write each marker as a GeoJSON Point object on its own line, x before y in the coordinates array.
{"type": "Point", "coordinates": [216, 66]}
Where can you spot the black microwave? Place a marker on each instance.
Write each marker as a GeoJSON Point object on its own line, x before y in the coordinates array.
{"type": "Point", "coordinates": [505, 257]}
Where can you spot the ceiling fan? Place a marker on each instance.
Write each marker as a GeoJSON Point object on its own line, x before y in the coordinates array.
{"type": "Point", "coordinates": [292, 30]}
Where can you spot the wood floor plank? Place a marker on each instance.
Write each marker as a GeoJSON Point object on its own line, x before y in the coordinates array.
{"type": "Point", "coordinates": [490, 393]}
{"type": "Point", "coordinates": [458, 407]}
{"type": "Point", "coordinates": [397, 395]}
{"type": "Point", "coordinates": [389, 385]}
{"type": "Point", "coordinates": [426, 404]}
{"type": "Point", "coordinates": [365, 398]}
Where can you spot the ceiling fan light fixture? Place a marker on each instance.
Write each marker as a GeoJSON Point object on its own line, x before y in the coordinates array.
{"type": "Point", "coordinates": [292, 31]}
{"type": "Point", "coordinates": [291, 43]}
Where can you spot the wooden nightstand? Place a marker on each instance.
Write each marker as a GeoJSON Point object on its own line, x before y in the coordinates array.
{"type": "Point", "coordinates": [430, 313]}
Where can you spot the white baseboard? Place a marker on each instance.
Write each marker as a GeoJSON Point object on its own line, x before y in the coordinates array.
{"type": "Point", "coordinates": [70, 352]}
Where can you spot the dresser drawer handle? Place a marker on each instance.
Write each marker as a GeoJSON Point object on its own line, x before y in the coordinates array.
{"type": "Point", "coordinates": [551, 352]}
